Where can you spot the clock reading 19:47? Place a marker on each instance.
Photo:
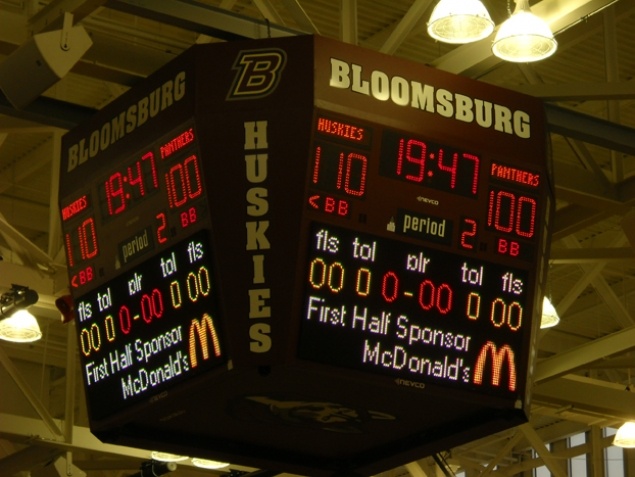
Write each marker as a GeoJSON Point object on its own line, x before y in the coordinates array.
{"type": "Point", "coordinates": [419, 161]}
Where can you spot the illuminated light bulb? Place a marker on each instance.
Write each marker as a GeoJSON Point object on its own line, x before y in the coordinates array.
{"type": "Point", "coordinates": [21, 327]}
{"type": "Point", "coordinates": [625, 436]}
{"type": "Point", "coordinates": [167, 457]}
{"type": "Point", "coordinates": [524, 37]}
{"type": "Point", "coordinates": [549, 315]}
{"type": "Point", "coordinates": [208, 464]}
{"type": "Point", "coordinates": [460, 21]}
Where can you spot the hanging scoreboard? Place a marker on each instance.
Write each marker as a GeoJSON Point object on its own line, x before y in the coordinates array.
{"type": "Point", "coordinates": [275, 244]}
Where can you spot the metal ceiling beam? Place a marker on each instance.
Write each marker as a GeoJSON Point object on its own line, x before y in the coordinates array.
{"type": "Point", "coordinates": [588, 395]}
{"type": "Point", "coordinates": [618, 310]}
{"type": "Point", "coordinates": [28, 459]}
{"type": "Point", "coordinates": [565, 256]}
{"type": "Point", "coordinates": [300, 16]}
{"type": "Point", "coordinates": [348, 21]}
{"type": "Point", "coordinates": [579, 91]}
{"type": "Point", "coordinates": [51, 16]}
{"type": "Point", "coordinates": [205, 19]}
{"type": "Point", "coordinates": [51, 112]}
{"type": "Point", "coordinates": [553, 464]}
{"type": "Point", "coordinates": [409, 21]}
{"type": "Point", "coordinates": [29, 395]}
{"type": "Point", "coordinates": [269, 12]}
{"type": "Point", "coordinates": [581, 356]}
{"type": "Point", "coordinates": [590, 129]}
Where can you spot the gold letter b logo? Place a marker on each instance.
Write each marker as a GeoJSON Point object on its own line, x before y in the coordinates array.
{"type": "Point", "coordinates": [258, 73]}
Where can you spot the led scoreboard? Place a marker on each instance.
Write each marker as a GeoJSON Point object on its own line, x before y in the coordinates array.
{"type": "Point", "coordinates": [304, 256]}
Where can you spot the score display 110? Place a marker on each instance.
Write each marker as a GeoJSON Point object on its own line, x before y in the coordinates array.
{"type": "Point", "coordinates": [167, 177]}
{"type": "Point", "coordinates": [341, 161]}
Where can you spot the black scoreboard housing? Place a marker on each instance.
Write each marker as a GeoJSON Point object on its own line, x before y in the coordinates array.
{"type": "Point", "coordinates": [301, 255]}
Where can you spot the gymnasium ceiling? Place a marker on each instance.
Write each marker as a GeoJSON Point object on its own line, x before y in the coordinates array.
{"type": "Point", "coordinates": [585, 363]}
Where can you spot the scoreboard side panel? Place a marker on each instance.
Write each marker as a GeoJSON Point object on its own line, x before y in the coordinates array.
{"type": "Point", "coordinates": [254, 112]}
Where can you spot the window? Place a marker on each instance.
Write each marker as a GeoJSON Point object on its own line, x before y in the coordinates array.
{"type": "Point", "coordinates": [578, 464]}
{"type": "Point", "coordinates": [613, 457]}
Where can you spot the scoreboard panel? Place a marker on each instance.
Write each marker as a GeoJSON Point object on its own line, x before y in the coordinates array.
{"type": "Point", "coordinates": [275, 244]}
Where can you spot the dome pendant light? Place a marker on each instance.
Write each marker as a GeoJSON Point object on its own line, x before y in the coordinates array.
{"type": "Point", "coordinates": [524, 37]}
{"type": "Point", "coordinates": [550, 316]}
{"type": "Point", "coordinates": [625, 436]}
{"type": "Point", "coordinates": [460, 21]}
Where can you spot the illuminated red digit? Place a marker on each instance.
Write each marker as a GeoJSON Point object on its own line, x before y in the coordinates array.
{"type": "Point", "coordinates": [149, 156]}
{"type": "Point", "coordinates": [475, 159]}
{"type": "Point", "coordinates": [359, 189]}
{"type": "Point", "coordinates": [69, 250]}
{"type": "Point", "coordinates": [449, 168]}
{"type": "Point", "coordinates": [125, 322]}
{"type": "Point", "coordinates": [418, 158]}
{"type": "Point", "coordinates": [526, 206]}
{"type": "Point", "coordinates": [426, 302]}
{"type": "Point", "coordinates": [444, 298]}
{"type": "Point", "coordinates": [115, 194]}
{"type": "Point", "coordinates": [177, 195]}
{"type": "Point", "coordinates": [390, 286]}
{"type": "Point", "coordinates": [88, 239]}
{"type": "Point", "coordinates": [135, 178]}
{"type": "Point", "coordinates": [468, 235]}
{"type": "Point", "coordinates": [161, 228]}
{"type": "Point", "coordinates": [194, 183]}
{"type": "Point", "coordinates": [316, 165]}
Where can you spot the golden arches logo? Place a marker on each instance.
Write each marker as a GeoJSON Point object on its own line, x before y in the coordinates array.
{"type": "Point", "coordinates": [499, 356]}
{"type": "Point", "coordinates": [201, 330]}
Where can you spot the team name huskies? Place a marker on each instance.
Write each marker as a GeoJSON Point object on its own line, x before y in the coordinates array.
{"type": "Point", "coordinates": [258, 73]}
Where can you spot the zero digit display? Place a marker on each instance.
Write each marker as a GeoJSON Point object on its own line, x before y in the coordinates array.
{"type": "Point", "coordinates": [150, 328]}
{"type": "Point", "coordinates": [413, 312]}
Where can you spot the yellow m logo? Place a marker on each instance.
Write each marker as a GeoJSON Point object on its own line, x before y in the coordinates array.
{"type": "Point", "coordinates": [201, 330]}
{"type": "Point", "coordinates": [499, 356]}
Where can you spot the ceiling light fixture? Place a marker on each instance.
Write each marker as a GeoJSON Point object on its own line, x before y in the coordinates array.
{"type": "Point", "coordinates": [208, 464]}
{"type": "Point", "coordinates": [16, 323]}
{"type": "Point", "coordinates": [460, 21]}
{"type": "Point", "coordinates": [550, 316]}
{"type": "Point", "coordinates": [524, 37]}
{"type": "Point", "coordinates": [625, 436]}
{"type": "Point", "coordinates": [167, 457]}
